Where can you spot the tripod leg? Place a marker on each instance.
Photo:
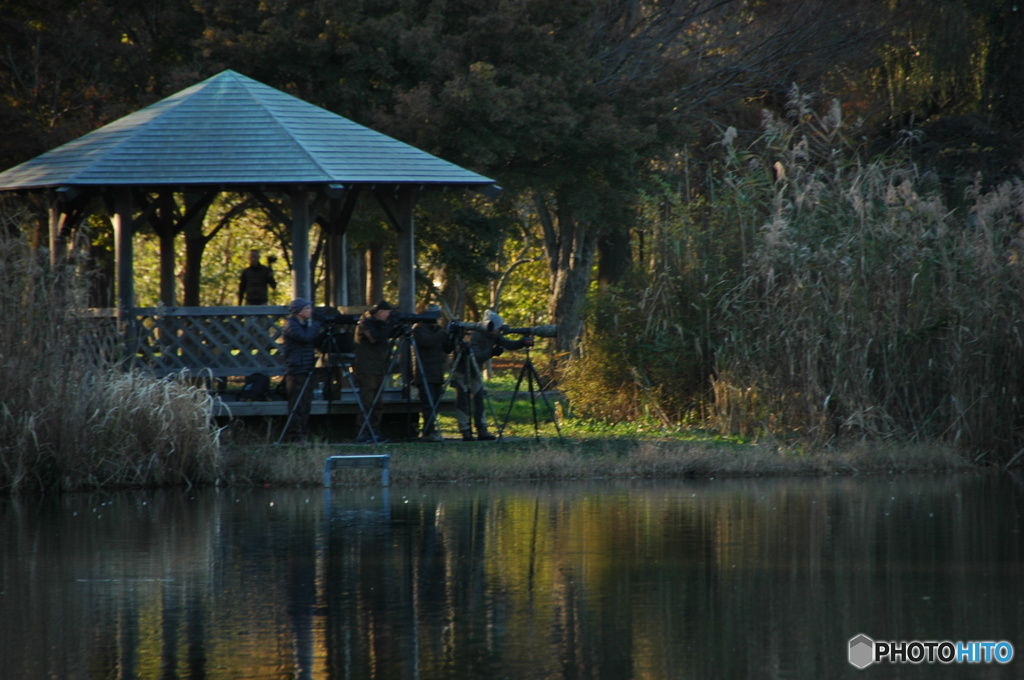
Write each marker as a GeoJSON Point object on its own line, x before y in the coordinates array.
{"type": "Point", "coordinates": [551, 409]}
{"type": "Point", "coordinates": [368, 411]}
{"type": "Point", "coordinates": [431, 417]}
{"type": "Point", "coordinates": [368, 415]}
{"type": "Point", "coordinates": [482, 404]}
{"type": "Point", "coordinates": [512, 401]}
{"type": "Point", "coordinates": [359, 401]}
{"type": "Point", "coordinates": [460, 365]}
{"type": "Point", "coordinates": [529, 371]}
{"type": "Point", "coordinates": [533, 401]}
{"type": "Point", "coordinates": [298, 400]}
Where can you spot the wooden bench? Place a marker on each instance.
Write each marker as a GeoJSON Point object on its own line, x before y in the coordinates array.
{"type": "Point", "coordinates": [381, 460]}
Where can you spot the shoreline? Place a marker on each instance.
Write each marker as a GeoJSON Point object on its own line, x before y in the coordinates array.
{"type": "Point", "coordinates": [518, 460]}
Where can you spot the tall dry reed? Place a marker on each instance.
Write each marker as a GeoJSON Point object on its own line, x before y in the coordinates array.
{"type": "Point", "coordinates": [867, 305]}
{"type": "Point", "coordinates": [818, 292]}
{"type": "Point", "coordinates": [69, 416]}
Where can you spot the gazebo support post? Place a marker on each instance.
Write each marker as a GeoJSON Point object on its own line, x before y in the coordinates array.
{"type": "Point", "coordinates": [302, 283]}
{"type": "Point", "coordinates": [166, 230]}
{"type": "Point", "coordinates": [398, 207]}
{"type": "Point", "coordinates": [57, 217]}
{"type": "Point", "coordinates": [123, 255]}
{"type": "Point", "coordinates": [339, 213]}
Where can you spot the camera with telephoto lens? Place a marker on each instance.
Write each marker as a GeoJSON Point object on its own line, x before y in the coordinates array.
{"type": "Point", "coordinates": [545, 331]}
{"type": "Point", "coordinates": [469, 326]}
{"type": "Point", "coordinates": [456, 329]}
{"type": "Point", "coordinates": [406, 317]}
{"type": "Point", "coordinates": [400, 323]}
{"type": "Point", "coordinates": [333, 339]}
{"type": "Point", "coordinates": [331, 316]}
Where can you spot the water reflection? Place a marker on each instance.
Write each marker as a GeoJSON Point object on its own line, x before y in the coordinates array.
{"type": "Point", "coordinates": [700, 579]}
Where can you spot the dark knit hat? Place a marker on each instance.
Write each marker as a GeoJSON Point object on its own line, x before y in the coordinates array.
{"type": "Point", "coordinates": [381, 306]}
{"type": "Point", "coordinates": [296, 305]}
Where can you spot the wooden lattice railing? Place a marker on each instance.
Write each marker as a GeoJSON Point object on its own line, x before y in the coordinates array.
{"type": "Point", "coordinates": [216, 341]}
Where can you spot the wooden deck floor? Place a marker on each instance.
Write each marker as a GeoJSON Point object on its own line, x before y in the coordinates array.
{"type": "Point", "coordinates": [393, 402]}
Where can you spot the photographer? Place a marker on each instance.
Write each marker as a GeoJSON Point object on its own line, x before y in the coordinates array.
{"type": "Point", "coordinates": [301, 333]}
{"type": "Point", "coordinates": [486, 340]}
{"type": "Point", "coordinates": [433, 345]}
{"type": "Point", "coordinates": [373, 340]}
{"type": "Point", "coordinates": [255, 279]}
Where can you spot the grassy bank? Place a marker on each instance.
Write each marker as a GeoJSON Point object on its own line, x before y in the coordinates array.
{"type": "Point", "coordinates": [554, 459]}
{"type": "Point", "coordinates": [575, 449]}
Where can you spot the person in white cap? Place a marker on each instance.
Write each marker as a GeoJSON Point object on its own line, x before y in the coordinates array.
{"type": "Point", "coordinates": [485, 341]}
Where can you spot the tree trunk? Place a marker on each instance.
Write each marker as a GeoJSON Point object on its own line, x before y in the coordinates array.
{"type": "Point", "coordinates": [1004, 81]}
{"type": "Point", "coordinates": [571, 256]}
{"type": "Point", "coordinates": [356, 277]}
{"type": "Point", "coordinates": [195, 244]}
{"type": "Point", "coordinates": [613, 258]}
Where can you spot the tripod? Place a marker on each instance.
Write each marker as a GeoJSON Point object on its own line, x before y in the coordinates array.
{"type": "Point", "coordinates": [530, 373]}
{"type": "Point", "coordinates": [406, 342]}
{"type": "Point", "coordinates": [291, 412]}
{"type": "Point", "coordinates": [466, 364]}
{"type": "Point", "coordinates": [332, 349]}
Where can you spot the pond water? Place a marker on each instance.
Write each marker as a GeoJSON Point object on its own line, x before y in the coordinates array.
{"type": "Point", "coordinates": [748, 578]}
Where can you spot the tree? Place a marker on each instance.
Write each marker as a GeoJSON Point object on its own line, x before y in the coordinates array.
{"type": "Point", "coordinates": [70, 67]}
{"type": "Point", "coordinates": [569, 103]}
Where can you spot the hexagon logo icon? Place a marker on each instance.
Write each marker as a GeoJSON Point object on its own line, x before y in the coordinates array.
{"type": "Point", "coordinates": [862, 651]}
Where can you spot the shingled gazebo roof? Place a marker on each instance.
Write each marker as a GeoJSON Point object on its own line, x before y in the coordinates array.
{"type": "Point", "coordinates": [230, 130]}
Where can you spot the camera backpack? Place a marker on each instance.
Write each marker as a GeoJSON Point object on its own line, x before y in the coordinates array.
{"type": "Point", "coordinates": [256, 388]}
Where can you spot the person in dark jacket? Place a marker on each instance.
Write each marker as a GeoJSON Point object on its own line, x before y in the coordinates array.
{"type": "Point", "coordinates": [485, 341]}
{"type": "Point", "coordinates": [255, 280]}
{"type": "Point", "coordinates": [430, 369]}
{"type": "Point", "coordinates": [301, 334]}
{"type": "Point", "coordinates": [370, 367]}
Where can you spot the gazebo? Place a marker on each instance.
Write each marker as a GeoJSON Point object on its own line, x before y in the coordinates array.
{"type": "Point", "coordinates": [230, 133]}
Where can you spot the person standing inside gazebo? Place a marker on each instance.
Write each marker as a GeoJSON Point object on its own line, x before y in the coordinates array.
{"type": "Point", "coordinates": [255, 281]}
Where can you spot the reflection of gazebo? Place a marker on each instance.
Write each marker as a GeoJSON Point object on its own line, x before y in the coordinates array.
{"type": "Point", "coordinates": [232, 133]}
